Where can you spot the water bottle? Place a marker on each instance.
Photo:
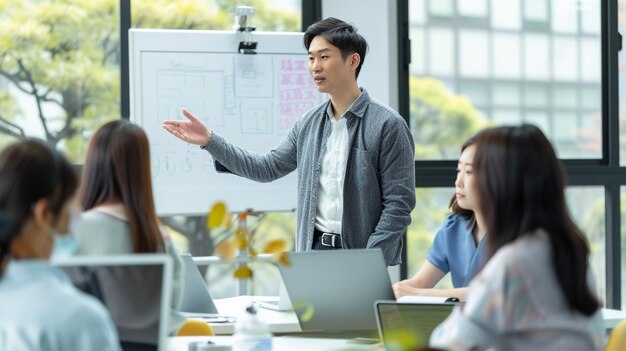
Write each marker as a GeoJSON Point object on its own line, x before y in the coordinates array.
{"type": "Point", "coordinates": [252, 334]}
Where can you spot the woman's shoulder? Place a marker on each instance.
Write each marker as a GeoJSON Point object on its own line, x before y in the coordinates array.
{"type": "Point", "coordinates": [516, 253]}
{"type": "Point", "coordinates": [86, 315]}
{"type": "Point", "coordinates": [100, 234]}
{"type": "Point", "coordinates": [96, 218]}
{"type": "Point", "coordinates": [456, 222]}
{"type": "Point", "coordinates": [72, 304]}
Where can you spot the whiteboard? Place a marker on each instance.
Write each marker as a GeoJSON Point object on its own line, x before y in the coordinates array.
{"type": "Point", "coordinates": [250, 100]}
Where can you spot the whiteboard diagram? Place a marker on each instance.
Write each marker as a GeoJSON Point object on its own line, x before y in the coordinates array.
{"type": "Point", "coordinates": [250, 100]}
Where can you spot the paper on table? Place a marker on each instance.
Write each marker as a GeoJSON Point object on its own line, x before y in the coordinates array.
{"type": "Point", "coordinates": [427, 299]}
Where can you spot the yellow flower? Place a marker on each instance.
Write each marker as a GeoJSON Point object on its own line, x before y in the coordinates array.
{"type": "Point", "coordinates": [243, 272]}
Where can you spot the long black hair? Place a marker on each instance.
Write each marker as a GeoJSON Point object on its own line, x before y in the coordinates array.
{"type": "Point", "coordinates": [117, 169]}
{"type": "Point", "coordinates": [521, 189]}
{"type": "Point", "coordinates": [31, 170]}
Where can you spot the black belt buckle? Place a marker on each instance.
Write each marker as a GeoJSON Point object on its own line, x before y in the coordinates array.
{"type": "Point", "coordinates": [331, 240]}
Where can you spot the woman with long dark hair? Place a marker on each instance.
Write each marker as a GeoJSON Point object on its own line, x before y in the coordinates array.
{"type": "Point", "coordinates": [458, 247]}
{"type": "Point", "coordinates": [40, 309]}
{"type": "Point", "coordinates": [533, 293]}
{"type": "Point", "coordinates": [116, 193]}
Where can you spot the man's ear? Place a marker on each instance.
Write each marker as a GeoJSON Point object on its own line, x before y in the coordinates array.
{"type": "Point", "coordinates": [354, 59]}
{"type": "Point", "coordinates": [42, 213]}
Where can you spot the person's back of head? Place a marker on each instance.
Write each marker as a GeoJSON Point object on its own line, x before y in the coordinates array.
{"type": "Point", "coordinates": [340, 34]}
{"type": "Point", "coordinates": [34, 178]}
{"type": "Point", "coordinates": [117, 170]}
{"type": "Point", "coordinates": [521, 189]}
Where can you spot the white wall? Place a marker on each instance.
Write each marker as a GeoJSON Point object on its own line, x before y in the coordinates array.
{"type": "Point", "coordinates": [377, 22]}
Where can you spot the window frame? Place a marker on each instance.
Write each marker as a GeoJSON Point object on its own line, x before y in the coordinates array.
{"type": "Point", "coordinates": [605, 171]}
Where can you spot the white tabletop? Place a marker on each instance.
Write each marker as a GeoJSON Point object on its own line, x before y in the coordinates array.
{"type": "Point", "coordinates": [280, 343]}
{"type": "Point", "coordinates": [287, 322]}
{"type": "Point", "coordinates": [279, 322]}
{"type": "Point", "coordinates": [612, 317]}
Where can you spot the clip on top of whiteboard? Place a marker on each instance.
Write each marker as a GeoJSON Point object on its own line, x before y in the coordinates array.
{"type": "Point", "coordinates": [246, 46]}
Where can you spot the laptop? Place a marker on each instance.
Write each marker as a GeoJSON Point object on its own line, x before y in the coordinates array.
{"type": "Point", "coordinates": [407, 326]}
{"type": "Point", "coordinates": [135, 289]}
{"type": "Point", "coordinates": [196, 299]}
{"type": "Point", "coordinates": [282, 303]}
{"type": "Point", "coordinates": [340, 285]}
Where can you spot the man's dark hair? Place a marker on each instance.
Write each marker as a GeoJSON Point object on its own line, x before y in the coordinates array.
{"type": "Point", "coordinates": [340, 34]}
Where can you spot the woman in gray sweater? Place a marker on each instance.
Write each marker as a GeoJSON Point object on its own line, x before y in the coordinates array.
{"type": "Point", "coordinates": [116, 194]}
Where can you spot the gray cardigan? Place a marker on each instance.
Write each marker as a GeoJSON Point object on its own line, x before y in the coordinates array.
{"type": "Point", "coordinates": [379, 187]}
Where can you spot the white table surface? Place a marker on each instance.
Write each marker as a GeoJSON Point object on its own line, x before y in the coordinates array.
{"type": "Point", "coordinates": [279, 322]}
{"type": "Point", "coordinates": [612, 317]}
{"type": "Point", "coordinates": [279, 343]}
{"type": "Point", "coordinates": [287, 322]}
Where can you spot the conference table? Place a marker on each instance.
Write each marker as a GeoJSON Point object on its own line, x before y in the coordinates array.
{"type": "Point", "coordinates": [279, 343]}
{"type": "Point", "coordinates": [287, 322]}
{"type": "Point", "coordinates": [279, 322]}
{"type": "Point", "coordinates": [289, 336]}
{"type": "Point", "coordinates": [612, 317]}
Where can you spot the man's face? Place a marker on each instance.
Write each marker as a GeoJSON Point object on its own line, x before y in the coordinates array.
{"type": "Point", "coordinates": [331, 73]}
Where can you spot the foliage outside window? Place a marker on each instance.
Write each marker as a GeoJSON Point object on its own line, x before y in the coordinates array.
{"type": "Point", "coordinates": [60, 72]}
{"type": "Point", "coordinates": [531, 61]}
{"type": "Point", "coordinates": [60, 60]}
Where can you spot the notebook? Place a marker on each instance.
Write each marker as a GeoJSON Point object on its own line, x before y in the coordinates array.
{"type": "Point", "coordinates": [340, 285]}
{"type": "Point", "coordinates": [135, 289]}
{"type": "Point", "coordinates": [196, 299]}
{"type": "Point", "coordinates": [282, 303]}
{"type": "Point", "coordinates": [407, 326]}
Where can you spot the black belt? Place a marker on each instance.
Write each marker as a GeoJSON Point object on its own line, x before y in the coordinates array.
{"type": "Point", "coordinates": [327, 239]}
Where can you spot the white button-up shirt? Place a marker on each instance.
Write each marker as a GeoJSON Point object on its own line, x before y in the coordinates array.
{"type": "Point", "coordinates": [332, 175]}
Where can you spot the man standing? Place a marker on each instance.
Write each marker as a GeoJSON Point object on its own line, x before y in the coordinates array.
{"type": "Point", "coordinates": [354, 155]}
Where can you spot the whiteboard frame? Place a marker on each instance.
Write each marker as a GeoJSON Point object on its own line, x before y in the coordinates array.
{"type": "Point", "coordinates": [205, 41]}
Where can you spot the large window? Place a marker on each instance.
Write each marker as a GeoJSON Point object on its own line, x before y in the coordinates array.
{"type": "Point", "coordinates": [477, 63]}
{"type": "Point", "coordinates": [586, 205]}
{"type": "Point", "coordinates": [59, 70]}
{"type": "Point", "coordinates": [60, 78]}
{"type": "Point", "coordinates": [480, 63]}
{"type": "Point", "coordinates": [60, 65]}
{"type": "Point", "coordinates": [270, 15]}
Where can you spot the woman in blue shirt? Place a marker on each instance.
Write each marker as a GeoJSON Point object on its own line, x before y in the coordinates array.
{"type": "Point", "coordinates": [39, 307]}
{"type": "Point", "coordinates": [458, 247]}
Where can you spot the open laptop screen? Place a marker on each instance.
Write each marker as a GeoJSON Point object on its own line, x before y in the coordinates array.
{"type": "Point", "coordinates": [341, 286]}
{"type": "Point", "coordinates": [135, 289]}
{"type": "Point", "coordinates": [407, 326]}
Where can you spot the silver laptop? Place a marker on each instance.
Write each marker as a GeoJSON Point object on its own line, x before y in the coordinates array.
{"type": "Point", "coordinates": [340, 285]}
{"type": "Point", "coordinates": [196, 298]}
{"type": "Point", "coordinates": [136, 290]}
{"type": "Point", "coordinates": [281, 303]}
{"type": "Point", "coordinates": [407, 326]}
